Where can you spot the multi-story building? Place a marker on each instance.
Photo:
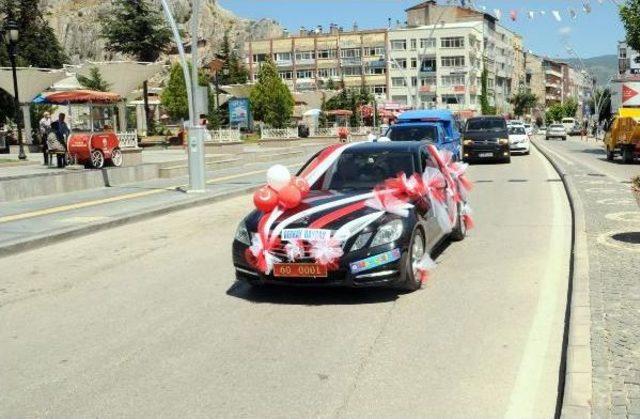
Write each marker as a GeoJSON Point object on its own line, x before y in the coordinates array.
{"type": "Point", "coordinates": [308, 60]}
{"type": "Point", "coordinates": [435, 60]}
{"type": "Point", "coordinates": [554, 74]}
{"type": "Point", "coordinates": [535, 80]}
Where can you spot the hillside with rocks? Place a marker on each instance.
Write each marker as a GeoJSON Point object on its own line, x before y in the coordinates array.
{"type": "Point", "coordinates": [75, 23]}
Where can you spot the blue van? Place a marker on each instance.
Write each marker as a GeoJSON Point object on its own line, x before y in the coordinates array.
{"type": "Point", "coordinates": [438, 125]}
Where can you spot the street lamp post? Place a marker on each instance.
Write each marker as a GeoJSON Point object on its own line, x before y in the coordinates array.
{"type": "Point", "coordinates": [11, 35]}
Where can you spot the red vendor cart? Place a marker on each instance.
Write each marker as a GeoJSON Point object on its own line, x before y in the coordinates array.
{"type": "Point", "coordinates": [93, 141]}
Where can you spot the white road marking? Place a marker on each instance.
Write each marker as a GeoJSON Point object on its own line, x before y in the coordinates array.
{"type": "Point", "coordinates": [533, 381]}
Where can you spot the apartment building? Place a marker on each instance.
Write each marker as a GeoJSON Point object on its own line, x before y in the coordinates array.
{"type": "Point", "coordinates": [435, 60]}
{"type": "Point", "coordinates": [309, 59]}
{"type": "Point", "coordinates": [535, 80]}
{"type": "Point", "coordinates": [554, 74]}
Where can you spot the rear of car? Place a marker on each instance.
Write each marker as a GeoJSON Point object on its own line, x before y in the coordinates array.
{"type": "Point", "coordinates": [528, 128]}
{"type": "Point", "coordinates": [556, 131]}
{"type": "Point", "coordinates": [570, 125]}
{"type": "Point", "coordinates": [486, 138]}
{"type": "Point", "coordinates": [428, 117]}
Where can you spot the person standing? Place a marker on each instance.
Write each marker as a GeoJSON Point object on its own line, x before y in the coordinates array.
{"type": "Point", "coordinates": [44, 129]}
{"type": "Point", "coordinates": [62, 131]}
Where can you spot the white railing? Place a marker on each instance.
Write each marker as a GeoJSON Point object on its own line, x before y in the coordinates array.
{"type": "Point", "coordinates": [361, 130]}
{"type": "Point", "coordinates": [230, 135]}
{"type": "Point", "coordinates": [278, 133]}
{"type": "Point", "coordinates": [128, 139]}
{"type": "Point", "coordinates": [325, 132]}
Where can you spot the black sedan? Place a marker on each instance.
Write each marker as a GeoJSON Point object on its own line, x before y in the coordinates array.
{"type": "Point", "coordinates": [361, 245]}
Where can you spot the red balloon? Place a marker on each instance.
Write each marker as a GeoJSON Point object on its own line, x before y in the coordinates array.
{"type": "Point", "coordinates": [265, 199]}
{"type": "Point", "coordinates": [302, 185]}
{"type": "Point", "coordinates": [290, 196]}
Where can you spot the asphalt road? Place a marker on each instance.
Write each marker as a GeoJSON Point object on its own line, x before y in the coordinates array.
{"type": "Point", "coordinates": [146, 320]}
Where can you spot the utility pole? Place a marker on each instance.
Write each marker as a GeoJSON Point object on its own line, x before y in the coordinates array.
{"type": "Point", "coordinates": [195, 145]}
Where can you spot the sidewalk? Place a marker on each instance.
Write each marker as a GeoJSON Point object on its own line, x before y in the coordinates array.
{"type": "Point", "coordinates": [38, 221]}
{"type": "Point", "coordinates": [608, 222]}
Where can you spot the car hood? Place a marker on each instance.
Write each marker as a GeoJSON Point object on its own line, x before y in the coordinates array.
{"type": "Point", "coordinates": [314, 200]}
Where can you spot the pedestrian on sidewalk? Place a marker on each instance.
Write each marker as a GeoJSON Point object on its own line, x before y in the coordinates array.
{"type": "Point", "coordinates": [44, 129]}
{"type": "Point", "coordinates": [62, 132]}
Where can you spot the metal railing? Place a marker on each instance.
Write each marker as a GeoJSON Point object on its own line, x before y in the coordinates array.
{"type": "Point", "coordinates": [325, 132]}
{"type": "Point", "coordinates": [128, 139]}
{"type": "Point", "coordinates": [278, 133]}
{"type": "Point", "coordinates": [228, 135]}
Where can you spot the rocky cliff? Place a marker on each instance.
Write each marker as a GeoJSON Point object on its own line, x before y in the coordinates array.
{"type": "Point", "coordinates": [76, 23]}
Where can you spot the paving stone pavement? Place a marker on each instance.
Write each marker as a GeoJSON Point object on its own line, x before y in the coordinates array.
{"type": "Point", "coordinates": [614, 276]}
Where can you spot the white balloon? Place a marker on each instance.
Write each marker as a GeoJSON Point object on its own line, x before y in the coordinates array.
{"type": "Point", "coordinates": [278, 177]}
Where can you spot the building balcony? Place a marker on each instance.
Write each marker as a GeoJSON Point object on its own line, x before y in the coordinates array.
{"type": "Point", "coordinates": [552, 72]}
{"type": "Point", "coordinates": [305, 61]}
{"type": "Point", "coordinates": [284, 63]}
{"type": "Point", "coordinates": [350, 62]}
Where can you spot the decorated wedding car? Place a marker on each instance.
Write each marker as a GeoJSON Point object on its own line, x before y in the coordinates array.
{"type": "Point", "coordinates": [356, 215]}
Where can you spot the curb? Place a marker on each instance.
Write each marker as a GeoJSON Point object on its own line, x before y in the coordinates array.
{"type": "Point", "coordinates": [575, 387]}
{"type": "Point", "coordinates": [151, 212]}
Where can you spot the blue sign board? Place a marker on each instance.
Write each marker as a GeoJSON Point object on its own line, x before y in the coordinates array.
{"type": "Point", "coordinates": [239, 113]}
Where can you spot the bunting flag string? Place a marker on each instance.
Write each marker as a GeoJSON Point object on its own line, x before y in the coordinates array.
{"type": "Point", "coordinates": [572, 13]}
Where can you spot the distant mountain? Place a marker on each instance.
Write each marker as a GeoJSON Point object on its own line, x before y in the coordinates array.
{"type": "Point", "coordinates": [601, 67]}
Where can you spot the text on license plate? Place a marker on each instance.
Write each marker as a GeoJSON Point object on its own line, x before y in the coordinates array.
{"type": "Point", "coordinates": [485, 154]}
{"type": "Point", "coordinates": [299, 270]}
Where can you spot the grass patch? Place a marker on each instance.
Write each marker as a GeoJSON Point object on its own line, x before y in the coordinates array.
{"type": "Point", "coordinates": [251, 138]}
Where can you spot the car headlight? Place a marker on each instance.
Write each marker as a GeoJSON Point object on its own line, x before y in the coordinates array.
{"type": "Point", "coordinates": [503, 141]}
{"type": "Point", "coordinates": [242, 234]}
{"type": "Point", "coordinates": [388, 233]}
{"type": "Point", "coordinates": [361, 241]}
{"type": "Point", "coordinates": [467, 142]}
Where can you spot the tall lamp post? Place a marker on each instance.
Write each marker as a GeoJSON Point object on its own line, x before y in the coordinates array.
{"type": "Point", "coordinates": [11, 35]}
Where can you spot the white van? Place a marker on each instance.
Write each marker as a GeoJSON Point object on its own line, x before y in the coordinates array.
{"type": "Point", "coordinates": [570, 126]}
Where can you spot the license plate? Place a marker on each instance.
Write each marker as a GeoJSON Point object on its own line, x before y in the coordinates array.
{"type": "Point", "coordinates": [299, 270]}
{"type": "Point", "coordinates": [485, 154]}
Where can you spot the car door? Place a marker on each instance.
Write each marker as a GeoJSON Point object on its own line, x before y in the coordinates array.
{"type": "Point", "coordinates": [434, 232]}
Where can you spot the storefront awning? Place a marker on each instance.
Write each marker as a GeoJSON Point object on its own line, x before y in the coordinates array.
{"type": "Point", "coordinates": [31, 81]}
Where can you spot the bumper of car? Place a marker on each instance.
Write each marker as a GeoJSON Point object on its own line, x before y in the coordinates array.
{"type": "Point", "coordinates": [385, 275]}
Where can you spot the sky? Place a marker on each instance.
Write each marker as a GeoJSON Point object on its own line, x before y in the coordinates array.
{"type": "Point", "coordinates": [593, 34]}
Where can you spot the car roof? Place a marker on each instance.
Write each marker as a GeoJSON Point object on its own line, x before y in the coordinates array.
{"type": "Point", "coordinates": [416, 124]}
{"type": "Point", "coordinates": [427, 113]}
{"type": "Point", "coordinates": [485, 118]}
{"type": "Point", "coordinates": [378, 146]}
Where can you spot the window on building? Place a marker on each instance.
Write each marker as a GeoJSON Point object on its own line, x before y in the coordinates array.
{"type": "Point", "coordinates": [455, 61]}
{"type": "Point", "coordinates": [305, 74]}
{"type": "Point", "coordinates": [398, 45]}
{"type": "Point", "coordinates": [428, 64]}
{"type": "Point", "coordinates": [378, 89]}
{"type": "Point", "coordinates": [453, 80]}
{"type": "Point", "coordinates": [414, 44]}
{"type": "Point", "coordinates": [305, 55]}
{"type": "Point", "coordinates": [286, 75]}
{"type": "Point", "coordinates": [350, 53]}
{"type": "Point", "coordinates": [352, 71]}
{"type": "Point", "coordinates": [398, 82]}
{"type": "Point", "coordinates": [414, 63]}
{"type": "Point", "coordinates": [326, 54]}
{"type": "Point", "coordinates": [623, 53]}
{"type": "Point", "coordinates": [401, 62]}
{"type": "Point", "coordinates": [374, 52]}
{"type": "Point", "coordinates": [453, 99]}
{"type": "Point", "coordinates": [327, 72]}
{"type": "Point", "coordinates": [283, 56]}
{"type": "Point", "coordinates": [428, 81]}
{"type": "Point", "coordinates": [376, 70]}
{"type": "Point", "coordinates": [452, 42]}
{"type": "Point", "coordinates": [259, 58]}
{"type": "Point", "coordinates": [427, 43]}
{"type": "Point", "coordinates": [414, 81]}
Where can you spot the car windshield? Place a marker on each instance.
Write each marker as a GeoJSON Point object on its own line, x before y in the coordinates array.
{"type": "Point", "coordinates": [516, 131]}
{"type": "Point", "coordinates": [486, 125]}
{"type": "Point", "coordinates": [367, 170]}
{"type": "Point", "coordinates": [412, 133]}
{"type": "Point", "coordinates": [556, 126]}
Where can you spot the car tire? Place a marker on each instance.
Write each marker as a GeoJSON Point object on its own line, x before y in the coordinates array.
{"type": "Point", "coordinates": [564, 138]}
{"type": "Point", "coordinates": [627, 155]}
{"type": "Point", "coordinates": [97, 159]}
{"type": "Point", "coordinates": [507, 160]}
{"type": "Point", "coordinates": [610, 155]}
{"type": "Point", "coordinates": [459, 231]}
{"type": "Point", "coordinates": [116, 157]}
{"type": "Point", "coordinates": [411, 283]}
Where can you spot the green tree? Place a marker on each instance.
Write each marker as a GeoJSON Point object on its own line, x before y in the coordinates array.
{"type": "Point", "coordinates": [331, 85]}
{"type": "Point", "coordinates": [138, 29]}
{"type": "Point", "coordinates": [322, 118]}
{"type": "Point", "coordinates": [485, 108]}
{"type": "Point", "coordinates": [233, 72]}
{"type": "Point", "coordinates": [94, 81]}
{"type": "Point", "coordinates": [174, 96]}
{"type": "Point", "coordinates": [34, 33]}
{"type": "Point", "coordinates": [522, 102]}
{"type": "Point", "coordinates": [271, 100]}
{"type": "Point", "coordinates": [570, 108]}
{"type": "Point", "coordinates": [630, 16]}
{"type": "Point", "coordinates": [554, 113]}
